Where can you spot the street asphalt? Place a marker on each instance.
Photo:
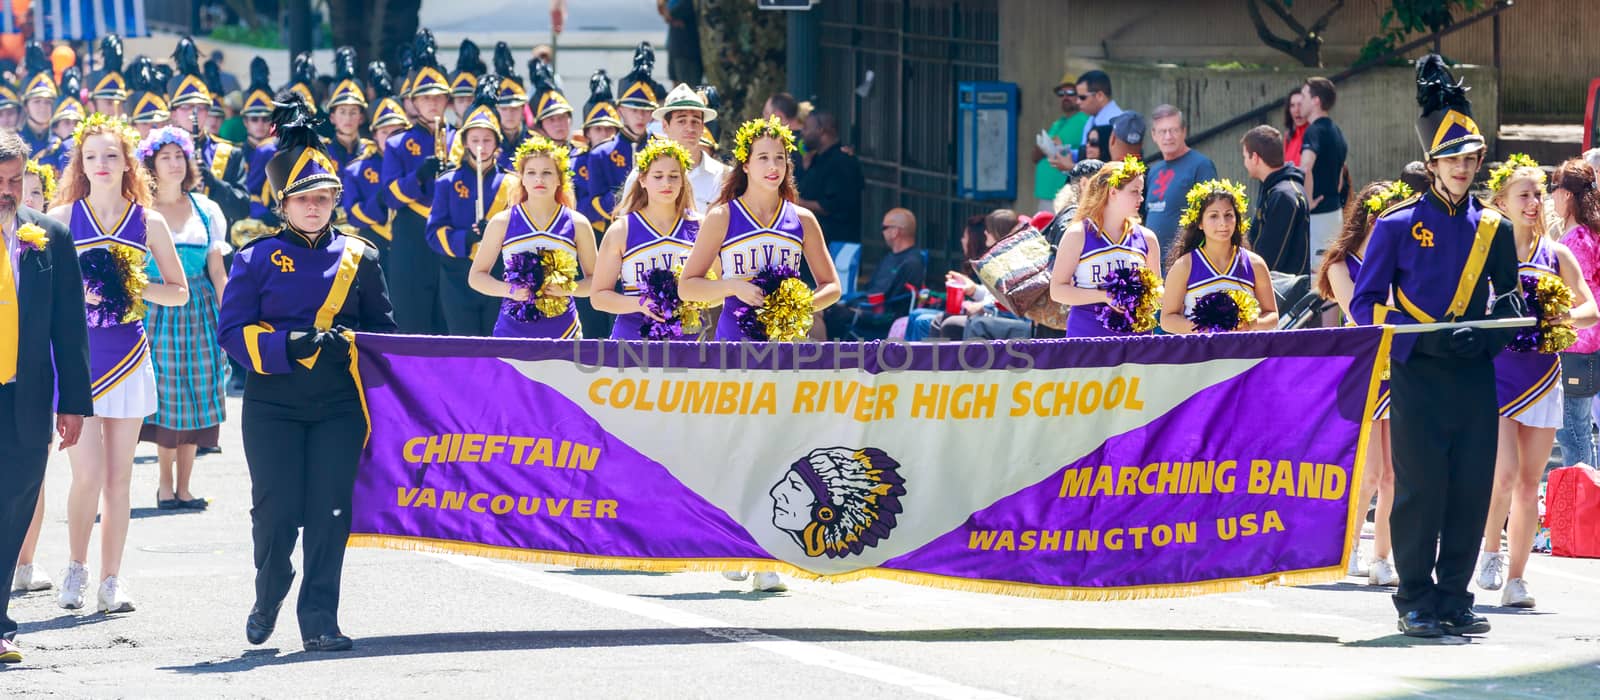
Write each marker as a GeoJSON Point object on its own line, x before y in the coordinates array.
{"type": "Point", "coordinates": [449, 626]}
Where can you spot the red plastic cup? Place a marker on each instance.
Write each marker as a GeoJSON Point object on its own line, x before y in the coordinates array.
{"type": "Point", "coordinates": [876, 302]}
{"type": "Point", "coordinates": [954, 294]}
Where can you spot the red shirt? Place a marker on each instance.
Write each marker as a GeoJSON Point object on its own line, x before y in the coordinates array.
{"type": "Point", "coordinates": [1292, 145]}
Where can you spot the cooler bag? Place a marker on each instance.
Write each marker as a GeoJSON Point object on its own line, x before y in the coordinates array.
{"type": "Point", "coordinates": [1572, 512]}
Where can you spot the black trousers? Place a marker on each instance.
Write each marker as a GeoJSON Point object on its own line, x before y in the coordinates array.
{"type": "Point", "coordinates": [21, 474]}
{"type": "Point", "coordinates": [413, 277]}
{"type": "Point", "coordinates": [302, 462]}
{"type": "Point", "coordinates": [1444, 418]}
{"type": "Point", "coordinates": [466, 310]}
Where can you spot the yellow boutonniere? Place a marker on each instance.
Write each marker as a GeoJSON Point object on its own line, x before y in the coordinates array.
{"type": "Point", "coordinates": [33, 236]}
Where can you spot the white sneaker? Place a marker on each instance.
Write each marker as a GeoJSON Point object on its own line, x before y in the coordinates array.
{"type": "Point", "coordinates": [1491, 570]}
{"type": "Point", "coordinates": [1516, 594]}
{"type": "Point", "coordinates": [30, 578]}
{"type": "Point", "coordinates": [114, 596]}
{"type": "Point", "coordinates": [74, 586]}
{"type": "Point", "coordinates": [767, 582]}
{"type": "Point", "coordinates": [1382, 573]}
{"type": "Point", "coordinates": [1357, 566]}
{"type": "Point", "coordinates": [735, 575]}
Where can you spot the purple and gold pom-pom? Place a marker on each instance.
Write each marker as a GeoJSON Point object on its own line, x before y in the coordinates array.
{"type": "Point", "coordinates": [786, 313]}
{"type": "Point", "coordinates": [1550, 300]}
{"type": "Point", "coordinates": [1135, 295]}
{"type": "Point", "coordinates": [659, 294]}
{"type": "Point", "coordinates": [536, 271]}
{"type": "Point", "coordinates": [1225, 310]}
{"type": "Point", "coordinates": [117, 275]}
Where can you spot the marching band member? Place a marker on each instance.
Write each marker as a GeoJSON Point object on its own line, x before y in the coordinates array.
{"type": "Point", "coordinates": [222, 170]}
{"type": "Point", "coordinates": [1090, 251]}
{"type": "Point", "coordinates": [1528, 386]}
{"type": "Point", "coordinates": [609, 163]}
{"type": "Point", "coordinates": [346, 109]}
{"type": "Point", "coordinates": [293, 299]}
{"type": "Point", "coordinates": [38, 100]}
{"type": "Point", "coordinates": [148, 104]}
{"type": "Point", "coordinates": [411, 162]}
{"type": "Point", "coordinates": [64, 121]}
{"type": "Point", "coordinates": [10, 106]}
{"type": "Point", "coordinates": [656, 229]}
{"type": "Point", "coordinates": [302, 76]}
{"type": "Point", "coordinates": [1211, 256]}
{"type": "Point", "coordinates": [363, 197]}
{"type": "Point", "coordinates": [601, 122]}
{"type": "Point", "coordinates": [512, 101]}
{"type": "Point", "coordinates": [464, 198]}
{"type": "Point", "coordinates": [541, 217]}
{"type": "Point", "coordinates": [464, 81]}
{"type": "Point", "coordinates": [1438, 255]}
{"type": "Point", "coordinates": [108, 88]}
{"type": "Point", "coordinates": [103, 199]}
{"type": "Point", "coordinates": [1340, 267]}
{"type": "Point", "coordinates": [755, 225]}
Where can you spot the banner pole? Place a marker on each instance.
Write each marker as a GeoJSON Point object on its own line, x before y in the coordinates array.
{"type": "Point", "coordinates": [1518, 322]}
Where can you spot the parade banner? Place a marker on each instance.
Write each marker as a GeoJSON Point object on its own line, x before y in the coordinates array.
{"type": "Point", "coordinates": [1082, 469]}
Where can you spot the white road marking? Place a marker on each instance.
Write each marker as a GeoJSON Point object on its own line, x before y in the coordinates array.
{"type": "Point", "coordinates": [803, 652]}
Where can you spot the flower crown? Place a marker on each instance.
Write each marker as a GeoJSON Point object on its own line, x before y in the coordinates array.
{"type": "Point", "coordinates": [759, 128]}
{"type": "Point", "coordinates": [1200, 192]}
{"type": "Point", "coordinates": [537, 145]}
{"type": "Point", "coordinates": [1132, 167]}
{"type": "Point", "coordinates": [47, 178]}
{"type": "Point", "coordinates": [117, 126]}
{"type": "Point", "coordinates": [1516, 161]}
{"type": "Point", "coordinates": [1396, 192]}
{"type": "Point", "coordinates": [661, 147]}
{"type": "Point", "coordinates": [163, 136]}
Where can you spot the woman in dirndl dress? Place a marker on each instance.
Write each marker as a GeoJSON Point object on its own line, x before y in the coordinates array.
{"type": "Point", "coordinates": [102, 199]}
{"type": "Point", "coordinates": [540, 217]}
{"type": "Point", "coordinates": [1528, 385]}
{"type": "Point", "coordinates": [1336, 281]}
{"type": "Point", "coordinates": [190, 370]}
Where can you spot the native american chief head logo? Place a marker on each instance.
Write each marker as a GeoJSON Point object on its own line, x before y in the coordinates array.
{"type": "Point", "coordinates": [837, 501]}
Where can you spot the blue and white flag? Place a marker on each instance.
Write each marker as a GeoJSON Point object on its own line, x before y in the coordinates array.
{"type": "Point", "coordinates": [82, 20]}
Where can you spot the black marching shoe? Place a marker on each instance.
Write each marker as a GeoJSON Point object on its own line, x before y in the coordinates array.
{"type": "Point", "coordinates": [1419, 623]}
{"type": "Point", "coordinates": [329, 642]}
{"type": "Point", "coordinates": [1464, 622]}
{"type": "Point", "coordinates": [258, 627]}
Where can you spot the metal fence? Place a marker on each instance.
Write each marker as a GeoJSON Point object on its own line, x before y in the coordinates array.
{"type": "Point", "coordinates": [903, 130]}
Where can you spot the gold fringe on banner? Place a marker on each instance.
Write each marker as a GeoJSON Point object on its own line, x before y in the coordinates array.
{"type": "Point", "coordinates": [1304, 577]}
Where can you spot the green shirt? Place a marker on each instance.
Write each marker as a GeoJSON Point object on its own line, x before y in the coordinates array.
{"type": "Point", "coordinates": [1047, 181]}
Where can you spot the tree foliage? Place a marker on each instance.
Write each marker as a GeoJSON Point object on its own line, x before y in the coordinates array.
{"type": "Point", "coordinates": [1407, 17]}
{"type": "Point", "coordinates": [1305, 45]}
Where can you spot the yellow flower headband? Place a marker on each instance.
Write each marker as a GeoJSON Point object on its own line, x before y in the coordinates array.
{"type": "Point", "coordinates": [117, 126]}
{"type": "Point", "coordinates": [1499, 176]}
{"type": "Point", "coordinates": [1200, 192]}
{"type": "Point", "coordinates": [761, 128]}
{"type": "Point", "coordinates": [537, 145]}
{"type": "Point", "coordinates": [47, 178]}
{"type": "Point", "coordinates": [1396, 192]}
{"type": "Point", "coordinates": [1132, 167]}
{"type": "Point", "coordinates": [661, 147]}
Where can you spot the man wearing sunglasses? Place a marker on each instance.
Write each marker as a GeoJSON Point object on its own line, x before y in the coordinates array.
{"type": "Point", "coordinates": [1067, 134]}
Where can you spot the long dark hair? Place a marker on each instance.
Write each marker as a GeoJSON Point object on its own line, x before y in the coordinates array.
{"type": "Point", "coordinates": [737, 181]}
{"type": "Point", "coordinates": [1577, 177]}
{"type": "Point", "coordinates": [1191, 238]}
{"type": "Point", "coordinates": [973, 245]}
{"type": "Point", "coordinates": [1358, 223]}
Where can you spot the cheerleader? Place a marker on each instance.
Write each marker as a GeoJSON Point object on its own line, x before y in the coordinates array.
{"type": "Point", "coordinates": [102, 199]}
{"type": "Point", "coordinates": [38, 186]}
{"type": "Point", "coordinates": [294, 297]}
{"type": "Point", "coordinates": [1211, 256]}
{"type": "Point", "coordinates": [755, 224]}
{"type": "Point", "coordinates": [541, 217]}
{"type": "Point", "coordinates": [1528, 385]}
{"type": "Point", "coordinates": [656, 231]}
{"type": "Point", "coordinates": [464, 199]}
{"type": "Point", "coordinates": [1337, 281]}
{"type": "Point", "coordinates": [190, 371]}
{"type": "Point", "coordinates": [1110, 198]}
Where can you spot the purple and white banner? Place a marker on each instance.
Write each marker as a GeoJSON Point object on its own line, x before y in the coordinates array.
{"type": "Point", "coordinates": [1092, 469]}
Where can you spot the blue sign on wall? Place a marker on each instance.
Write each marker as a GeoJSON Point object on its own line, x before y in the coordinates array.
{"type": "Point", "coordinates": [986, 140]}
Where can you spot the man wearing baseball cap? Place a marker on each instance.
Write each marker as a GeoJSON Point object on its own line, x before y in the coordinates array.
{"type": "Point", "coordinates": [1066, 133]}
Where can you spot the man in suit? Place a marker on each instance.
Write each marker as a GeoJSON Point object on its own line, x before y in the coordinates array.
{"type": "Point", "coordinates": [44, 352]}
